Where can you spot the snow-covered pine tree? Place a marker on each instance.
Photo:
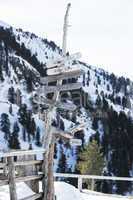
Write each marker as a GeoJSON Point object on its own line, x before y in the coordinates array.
{"type": "Point", "coordinates": [37, 138]}
{"type": "Point", "coordinates": [14, 140]}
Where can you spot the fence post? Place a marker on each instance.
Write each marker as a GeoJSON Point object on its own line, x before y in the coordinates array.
{"type": "Point", "coordinates": [5, 170]}
{"type": "Point", "coordinates": [11, 178]}
{"type": "Point", "coordinates": [80, 184]}
{"type": "Point", "coordinates": [92, 184]}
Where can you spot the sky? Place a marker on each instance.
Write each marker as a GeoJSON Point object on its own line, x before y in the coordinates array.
{"type": "Point", "coordinates": [102, 30]}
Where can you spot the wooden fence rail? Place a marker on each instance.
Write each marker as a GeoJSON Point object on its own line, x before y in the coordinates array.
{"type": "Point", "coordinates": [93, 178]}
{"type": "Point", "coordinates": [10, 164]}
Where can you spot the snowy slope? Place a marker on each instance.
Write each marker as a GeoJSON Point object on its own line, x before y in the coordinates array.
{"type": "Point", "coordinates": [22, 191]}
{"type": "Point", "coordinates": [63, 191]}
{"type": "Point", "coordinates": [24, 58]}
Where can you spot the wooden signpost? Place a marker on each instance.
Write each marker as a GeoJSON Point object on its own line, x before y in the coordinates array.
{"type": "Point", "coordinates": [56, 72]}
{"type": "Point", "coordinates": [62, 105]}
{"type": "Point", "coordinates": [60, 70]}
{"type": "Point", "coordinates": [77, 128]}
{"type": "Point", "coordinates": [66, 106]}
{"type": "Point", "coordinates": [59, 88]}
{"type": "Point", "coordinates": [63, 60]}
{"type": "Point", "coordinates": [67, 75]}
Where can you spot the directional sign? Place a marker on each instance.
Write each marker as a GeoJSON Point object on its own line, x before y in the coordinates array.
{"type": "Point", "coordinates": [66, 75]}
{"type": "Point", "coordinates": [64, 135]}
{"type": "Point", "coordinates": [62, 60]}
{"type": "Point", "coordinates": [65, 87]}
{"type": "Point", "coordinates": [42, 99]}
{"type": "Point", "coordinates": [66, 106]}
{"type": "Point", "coordinates": [77, 128]}
{"type": "Point", "coordinates": [75, 142]}
{"type": "Point", "coordinates": [60, 70]}
{"type": "Point", "coordinates": [59, 133]}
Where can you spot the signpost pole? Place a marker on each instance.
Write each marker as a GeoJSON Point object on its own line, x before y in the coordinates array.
{"type": "Point", "coordinates": [50, 136]}
{"type": "Point", "coordinates": [48, 182]}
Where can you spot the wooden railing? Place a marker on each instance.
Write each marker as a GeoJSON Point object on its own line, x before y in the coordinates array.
{"type": "Point", "coordinates": [92, 178]}
{"type": "Point", "coordinates": [8, 177]}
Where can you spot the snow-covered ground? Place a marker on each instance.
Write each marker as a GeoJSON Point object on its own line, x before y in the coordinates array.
{"type": "Point", "coordinates": [63, 191]}
{"type": "Point", "coordinates": [22, 191]}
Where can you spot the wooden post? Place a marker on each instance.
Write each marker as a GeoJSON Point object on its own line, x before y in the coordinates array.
{"type": "Point", "coordinates": [80, 184]}
{"type": "Point", "coordinates": [65, 27]}
{"type": "Point", "coordinates": [50, 174]}
{"type": "Point", "coordinates": [92, 184]}
{"type": "Point", "coordinates": [11, 177]}
{"type": "Point", "coordinates": [5, 171]}
{"type": "Point", "coordinates": [45, 179]}
{"type": "Point", "coordinates": [47, 142]}
{"type": "Point", "coordinates": [48, 181]}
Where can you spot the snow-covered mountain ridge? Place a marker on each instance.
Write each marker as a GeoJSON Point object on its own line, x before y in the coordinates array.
{"type": "Point", "coordinates": [104, 103]}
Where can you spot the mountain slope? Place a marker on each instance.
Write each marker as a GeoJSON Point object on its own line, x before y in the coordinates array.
{"type": "Point", "coordinates": [104, 103]}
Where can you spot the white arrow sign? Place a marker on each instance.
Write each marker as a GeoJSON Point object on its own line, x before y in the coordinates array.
{"type": "Point", "coordinates": [66, 106]}
{"type": "Point", "coordinates": [63, 60]}
{"type": "Point", "coordinates": [76, 142]}
{"type": "Point", "coordinates": [60, 70]}
{"type": "Point", "coordinates": [65, 87]}
{"type": "Point", "coordinates": [77, 128]}
{"type": "Point", "coordinates": [72, 74]}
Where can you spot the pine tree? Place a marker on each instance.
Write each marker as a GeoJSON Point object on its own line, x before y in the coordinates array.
{"type": "Point", "coordinates": [38, 142]}
{"type": "Point", "coordinates": [98, 102]}
{"type": "Point", "coordinates": [55, 151]}
{"type": "Point", "coordinates": [108, 87]}
{"type": "Point", "coordinates": [16, 128]}
{"type": "Point", "coordinates": [30, 147]}
{"type": "Point", "coordinates": [124, 102]}
{"type": "Point", "coordinates": [11, 95]}
{"type": "Point", "coordinates": [91, 160]}
{"type": "Point", "coordinates": [95, 123]}
{"type": "Point", "coordinates": [24, 134]}
{"type": "Point", "coordinates": [23, 114]}
{"type": "Point", "coordinates": [87, 83]}
{"type": "Point", "coordinates": [83, 79]}
{"type": "Point", "coordinates": [5, 125]}
{"type": "Point", "coordinates": [10, 109]}
{"type": "Point", "coordinates": [105, 105]}
{"type": "Point", "coordinates": [33, 127]}
{"type": "Point", "coordinates": [62, 166]}
{"type": "Point", "coordinates": [98, 80]}
{"type": "Point", "coordinates": [13, 140]}
{"type": "Point", "coordinates": [29, 81]}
